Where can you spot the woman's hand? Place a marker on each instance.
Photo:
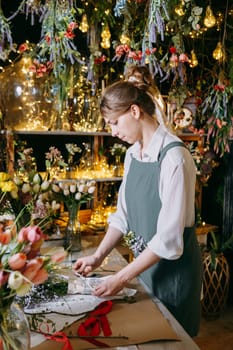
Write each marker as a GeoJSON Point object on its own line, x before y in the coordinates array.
{"type": "Point", "coordinates": [110, 286]}
{"type": "Point", "coordinates": [86, 264]}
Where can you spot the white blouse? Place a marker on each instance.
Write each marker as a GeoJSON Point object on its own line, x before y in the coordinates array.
{"type": "Point", "coordinates": [176, 190]}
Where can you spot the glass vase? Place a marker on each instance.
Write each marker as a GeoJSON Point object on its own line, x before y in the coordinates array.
{"type": "Point", "coordinates": [117, 166]}
{"type": "Point", "coordinates": [72, 236]}
{"type": "Point", "coordinates": [14, 327]}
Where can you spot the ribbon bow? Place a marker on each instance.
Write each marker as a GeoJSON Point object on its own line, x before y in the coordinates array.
{"type": "Point", "coordinates": [60, 337]}
{"type": "Point", "coordinates": [96, 322]}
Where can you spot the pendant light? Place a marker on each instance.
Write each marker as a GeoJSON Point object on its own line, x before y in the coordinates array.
{"type": "Point", "coordinates": [218, 53]}
{"type": "Point", "coordinates": [194, 61]}
{"type": "Point", "coordinates": [84, 24]}
{"type": "Point", "coordinates": [209, 20]}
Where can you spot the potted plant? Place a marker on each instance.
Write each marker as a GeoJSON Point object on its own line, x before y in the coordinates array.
{"type": "Point", "coordinates": [216, 276]}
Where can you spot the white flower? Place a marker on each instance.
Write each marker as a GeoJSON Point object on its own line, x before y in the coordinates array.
{"type": "Point", "coordinates": [15, 280]}
{"type": "Point", "coordinates": [66, 192]}
{"type": "Point", "coordinates": [36, 179]}
{"type": "Point", "coordinates": [72, 188]}
{"type": "Point", "coordinates": [55, 188]}
{"type": "Point", "coordinates": [26, 188]}
{"type": "Point", "coordinates": [36, 188]}
{"type": "Point", "coordinates": [17, 181]}
{"type": "Point", "coordinates": [91, 189]}
{"type": "Point", "coordinates": [45, 185]}
{"type": "Point", "coordinates": [78, 196]}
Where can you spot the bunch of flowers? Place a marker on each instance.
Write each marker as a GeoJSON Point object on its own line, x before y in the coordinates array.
{"type": "Point", "coordinates": [217, 106]}
{"type": "Point", "coordinates": [205, 161]}
{"type": "Point", "coordinates": [26, 197]}
{"type": "Point", "coordinates": [21, 264]}
{"type": "Point", "coordinates": [54, 158]}
{"type": "Point", "coordinates": [72, 148]}
{"type": "Point", "coordinates": [118, 149]}
{"type": "Point", "coordinates": [72, 192]}
{"type": "Point", "coordinates": [136, 243]}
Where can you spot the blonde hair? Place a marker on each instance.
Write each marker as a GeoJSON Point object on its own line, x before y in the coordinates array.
{"type": "Point", "coordinates": [120, 96]}
{"type": "Point", "coordinates": [141, 75]}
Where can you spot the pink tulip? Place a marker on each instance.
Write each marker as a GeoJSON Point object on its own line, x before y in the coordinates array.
{"type": "Point", "coordinates": [17, 261]}
{"type": "Point", "coordinates": [58, 257]}
{"type": "Point", "coordinates": [32, 267]}
{"type": "Point", "coordinates": [5, 237]}
{"type": "Point", "coordinates": [31, 234]}
{"type": "Point", "coordinates": [40, 277]}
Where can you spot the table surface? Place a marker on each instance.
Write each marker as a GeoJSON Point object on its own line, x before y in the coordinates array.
{"type": "Point", "coordinates": [185, 342]}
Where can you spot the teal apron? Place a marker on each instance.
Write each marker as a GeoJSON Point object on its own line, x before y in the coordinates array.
{"type": "Point", "coordinates": [177, 283]}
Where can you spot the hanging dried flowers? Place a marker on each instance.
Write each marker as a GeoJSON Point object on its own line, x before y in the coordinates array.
{"type": "Point", "coordinates": [218, 108]}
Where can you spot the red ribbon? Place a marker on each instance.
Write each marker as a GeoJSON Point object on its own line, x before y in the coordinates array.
{"type": "Point", "coordinates": [96, 322]}
{"type": "Point", "coordinates": [60, 337]}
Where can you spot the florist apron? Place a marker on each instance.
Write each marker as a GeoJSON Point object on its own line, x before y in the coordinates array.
{"type": "Point", "coordinates": [177, 283]}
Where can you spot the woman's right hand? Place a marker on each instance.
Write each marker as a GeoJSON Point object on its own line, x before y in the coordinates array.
{"type": "Point", "coordinates": [86, 264]}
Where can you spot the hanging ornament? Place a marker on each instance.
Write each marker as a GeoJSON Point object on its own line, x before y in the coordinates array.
{"type": "Point", "coordinates": [194, 60]}
{"type": "Point", "coordinates": [84, 24]}
{"type": "Point", "coordinates": [179, 9]}
{"type": "Point", "coordinates": [124, 39]}
{"type": "Point", "coordinates": [209, 20]}
{"type": "Point", "coordinates": [106, 36]}
{"type": "Point", "coordinates": [218, 53]}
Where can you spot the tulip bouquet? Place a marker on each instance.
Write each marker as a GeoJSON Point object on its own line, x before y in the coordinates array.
{"type": "Point", "coordinates": [21, 264]}
{"type": "Point", "coordinates": [73, 193]}
{"type": "Point", "coordinates": [26, 195]}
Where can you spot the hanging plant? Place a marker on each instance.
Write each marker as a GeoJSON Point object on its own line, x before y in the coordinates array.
{"type": "Point", "coordinates": [218, 108]}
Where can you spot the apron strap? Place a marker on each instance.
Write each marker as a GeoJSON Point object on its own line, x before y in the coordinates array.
{"type": "Point", "coordinates": [163, 152]}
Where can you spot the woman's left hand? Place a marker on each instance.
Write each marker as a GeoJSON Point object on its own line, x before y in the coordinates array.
{"type": "Point", "coordinates": [110, 286]}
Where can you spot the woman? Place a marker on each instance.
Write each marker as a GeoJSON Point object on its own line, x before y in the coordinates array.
{"type": "Point", "coordinates": [156, 204]}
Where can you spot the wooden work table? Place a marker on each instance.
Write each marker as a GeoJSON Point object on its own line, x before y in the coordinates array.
{"type": "Point", "coordinates": [115, 261]}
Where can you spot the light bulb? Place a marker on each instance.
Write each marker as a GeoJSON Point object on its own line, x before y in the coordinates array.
{"type": "Point", "coordinates": [84, 25]}
{"type": "Point", "coordinates": [179, 10]}
{"type": "Point", "coordinates": [124, 39]}
{"type": "Point", "coordinates": [194, 60]}
{"type": "Point", "coordinates": [105, 44]}
{"type": "Point", "coordinates": [218, 53]}
{"type": "Point", "coordinates": [209, 20]}
{"type": "Point", "coordinates": [105, 34]}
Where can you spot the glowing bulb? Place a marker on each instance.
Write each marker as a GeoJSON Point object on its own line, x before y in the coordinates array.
{"type": "Point", "coordinates": [179, 10]}
{"type": "Point", "coordinates": [106, 33]}
{"type": "Point", "coordinates": [218, 53]}
{"type": "Point", "coordinates": [124, 39]}
{"type": "Point", "coordinates": [194, 60]}
{"type": "Point", "coordinates": [106, 36]}
{"type": "Point", "coordinates": [84, 25]}
{"type": "Point", "coordinates": [209, 20]}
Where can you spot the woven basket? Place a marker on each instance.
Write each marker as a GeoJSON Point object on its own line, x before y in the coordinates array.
{"type": "Point", "coordinates": [215, 285]}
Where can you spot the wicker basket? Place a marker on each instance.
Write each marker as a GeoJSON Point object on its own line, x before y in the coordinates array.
{"type": "Point", "coordinates": [215, 285]}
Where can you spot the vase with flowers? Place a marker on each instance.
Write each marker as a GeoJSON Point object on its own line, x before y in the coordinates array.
{"type": "Point", "coordinates": [73, 193]}
{"type": "Point", "coordinates": [117, 150]}
{"type": "Point", "coordinates": [21, 267]}
{"type": "Point", "coordinates": [72, 149]}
